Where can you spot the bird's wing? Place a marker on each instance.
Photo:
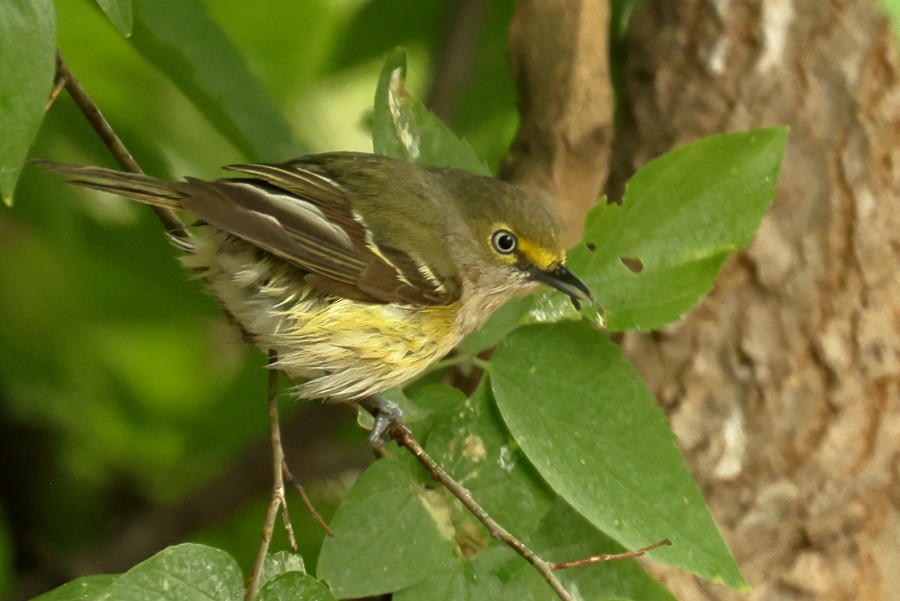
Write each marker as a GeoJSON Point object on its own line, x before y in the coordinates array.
{"type": "Point", "coordinates": [306, 219]}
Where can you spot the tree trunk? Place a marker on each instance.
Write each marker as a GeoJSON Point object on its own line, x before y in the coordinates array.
{"type": "Point", "coordinates": [784, 386]}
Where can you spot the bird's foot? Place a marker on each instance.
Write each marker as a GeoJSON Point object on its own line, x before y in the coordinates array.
{"type": "Point", "coordinates": [386, 413]}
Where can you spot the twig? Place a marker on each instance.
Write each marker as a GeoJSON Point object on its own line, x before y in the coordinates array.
{"type": "Point", "coordinates": [170, 220]}
{"type": "Point", "coordinates": [292, 481]}
{"type": "Point", "coordinates": [562, 565]}
{"type": "Point", "coordinates": [278, 501]}
{"type": "Point", "coordinates": [59, 82]}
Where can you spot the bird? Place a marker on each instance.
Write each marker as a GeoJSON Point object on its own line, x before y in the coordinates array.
{"type": "Point", "coordinates": [357, 270]}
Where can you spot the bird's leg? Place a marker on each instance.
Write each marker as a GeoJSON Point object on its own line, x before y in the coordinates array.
{"type": "Point", "coordinates": [386, 413]}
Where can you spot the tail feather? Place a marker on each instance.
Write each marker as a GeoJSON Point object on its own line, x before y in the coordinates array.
{"type": "Point", "coordinates": [136, 186]}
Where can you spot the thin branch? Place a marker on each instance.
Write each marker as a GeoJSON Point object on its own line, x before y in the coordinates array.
{"type": "Point", "coordinates": [402, 435]}
{"type": "Point", "coordinates": [278, 501]}
{"type": "Point", "coordinates": [293, 482]}
{"type": "Point", "coordinates": [562, 565]}
{"type": "Point", "coordinates": [174, 226]}
{"type": "Point", "coordinates": [59, 82]}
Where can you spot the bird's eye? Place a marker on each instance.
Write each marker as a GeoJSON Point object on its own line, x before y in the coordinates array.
{"type": "Point", "coordinates": [504, 242]}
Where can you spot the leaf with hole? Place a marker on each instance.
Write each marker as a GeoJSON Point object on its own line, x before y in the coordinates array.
{"type": "Point", "coordinates": [651, 258]}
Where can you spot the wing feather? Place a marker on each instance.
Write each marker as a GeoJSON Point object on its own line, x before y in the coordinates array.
{"type": "Point", "coordinates": [307, 218]}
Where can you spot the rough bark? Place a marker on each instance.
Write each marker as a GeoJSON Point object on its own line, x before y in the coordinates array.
{"type": "Point", "coordinates": [559, 57]}
{"type": "Point", "coordinates": [784, 386]}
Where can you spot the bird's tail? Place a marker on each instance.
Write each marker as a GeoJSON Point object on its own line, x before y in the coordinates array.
{"type": "Point", "coordinates": [137, 186]}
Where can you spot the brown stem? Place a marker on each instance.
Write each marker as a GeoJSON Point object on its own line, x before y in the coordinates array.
{"type": "Point", "coordinates": [59, 82]}
{"type": "Point", "coordinates": [170, 220]}
{"type": "Point", "coordinates": [292, 481]}
{"type": "Point", "coordinates": [278, 500]}
{"type": "Point", "coordinates": [562, 565]}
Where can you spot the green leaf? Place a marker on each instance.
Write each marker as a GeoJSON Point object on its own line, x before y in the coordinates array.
{"type": "Point", "coordinates": [182, 573]}
{"type": "Point", "coordinates": [282, 562]}
{"type": "Point", "coordinates": [82, 589]}
{"type": "Point", "coordinates": [589, 425]}
{"type": "Point", "coordinates": [428, 407]}
{"type": "Point", "coordinates": [682, 215]}
{"type": "Point", "coordinates": [892, 7]}
{"type": "Point", "coordinates": [385, 535]}
{"type": "Point", "coordinates": [474, 446]}
{"type": "Point", "coordinates": [472, 443]}
{"type": "Point", "coordinates": [119, 13]}
{"type": "Point", "coordinates": [295, 586]}
{"type": "Point", "coordinates": [182, 41]}
{"type": "Point", "coordinates": [496, 573]}
{"type": "Point", "coordinates": [28, 59]}
{"type": "Point", "coordinates": [403, 128]}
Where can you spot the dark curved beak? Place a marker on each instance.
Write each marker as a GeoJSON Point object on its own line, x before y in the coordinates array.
{"type": "Point", "coordinates": [563, 280]}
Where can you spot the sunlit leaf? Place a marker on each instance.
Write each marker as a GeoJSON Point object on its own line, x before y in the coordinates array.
{"type": "Point", "coordinates": [82, 589]}
{"type": "Point", "coordinates": [186, 572]}
{"type": "Point", "coordinates": [651, 258]}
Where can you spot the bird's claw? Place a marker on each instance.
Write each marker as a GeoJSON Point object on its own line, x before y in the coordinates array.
{"type": "Point", "coordinates": [386, 413]}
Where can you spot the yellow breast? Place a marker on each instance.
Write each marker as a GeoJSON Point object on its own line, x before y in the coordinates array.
{"type": "Point", "coordinates": [357, 348]}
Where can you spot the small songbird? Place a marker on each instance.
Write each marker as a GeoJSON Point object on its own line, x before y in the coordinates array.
{"type": "Point", "coordinates": [358, 270]}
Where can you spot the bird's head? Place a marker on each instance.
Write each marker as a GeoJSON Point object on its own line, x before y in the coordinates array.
{"type": "Point", "coordinates": [517, 241]}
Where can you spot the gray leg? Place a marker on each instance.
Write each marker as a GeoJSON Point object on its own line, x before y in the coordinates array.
{"type": "Point", "coordinates": [385, 413]}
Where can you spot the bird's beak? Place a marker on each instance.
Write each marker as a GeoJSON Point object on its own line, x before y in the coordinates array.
{"type": "Point", "coordinates": [563, 280]}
